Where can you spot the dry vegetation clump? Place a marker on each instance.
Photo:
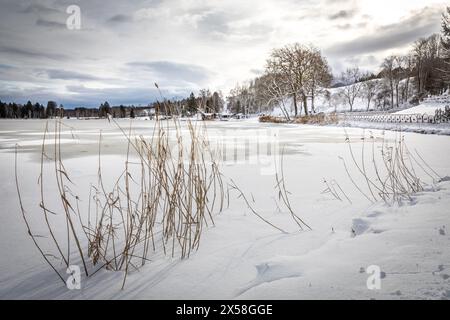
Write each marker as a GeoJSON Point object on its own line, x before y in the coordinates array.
{"type": "Point", "coordinates": [390, 174]}
{"type": "Point", "coordinates": [272, 119]}
{"type": "Point", "coordinates": [160, 202]}
{"type": "Point", "coordinates": [168, 192]}
{"type": "Point", "coordinates": [318, 119]}
{"type": "Point", "coordinates": [283, 197]}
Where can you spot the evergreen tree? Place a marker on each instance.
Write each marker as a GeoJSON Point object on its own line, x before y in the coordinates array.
{"type": "Point", "coordinates": [123, 112]}
{"type": "Point", "coordinates": [101, 111]}
{"type": "Point", "coordinates": [3, 113]}
{"type": "Point", "coordinates": [51, 109]}
{"type": "Point", "coordinates": [191, 103]}
{"type": "Point", "coordinates": [61, 111]}
{"type": "Point", "coordinates": [14, 109]}
{"type": "Point", "coordinates": [28, 110]}
{"type": "Point", "coordinates": [37, 111]}
{"type": "Point", "coordinates": [107, 108]}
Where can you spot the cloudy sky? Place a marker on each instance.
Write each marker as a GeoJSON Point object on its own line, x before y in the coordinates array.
{"type": "Point", "coordinates": [124, 46]}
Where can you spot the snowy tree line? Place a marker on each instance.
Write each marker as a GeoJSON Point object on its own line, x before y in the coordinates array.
{"type": "Point", "coordinates": [296, 75]}
{"type": "Point", "coordinates": [30, 110]}
{"type": "Point", "coordinates": [205, 102]}
{"type": "Point", "coordinates": [51, 110]}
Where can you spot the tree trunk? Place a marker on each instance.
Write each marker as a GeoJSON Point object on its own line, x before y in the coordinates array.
{"type": "Point", "coordinates": [392, 96]}
{"type": "Point", "coordinates": [305, 104]}
{"type": "Point", "coordinates": [295, 105]}
{"type": "Point", "coordinates": [396, 91]}
{"type": "Point", "coordinates": [407, 89]}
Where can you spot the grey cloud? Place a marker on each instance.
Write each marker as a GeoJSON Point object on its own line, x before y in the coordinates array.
{"type": "Point", "coordinates": [395, 35]}
{"type": "Point", "coordinates": [50, 24]}
{"type": "Point", "coordinates": [120, 18]}
{"type": "Point", "coordinates": [344, 26]}
{"type": "Point", "coordinates": [347, 26]}
{"type": "Point", "coordinates": [28, 53]}
{"type": "Point", "coordinates": [214, 22]}
{"type": "Point", "coordinates": [5, 67]}
{"type": "Point", "coordinates": [19, 94]}
{"type": "Point", "coordinates": [69, 75]}
{"type": "Point", "coordinates": [39, 8]}
{"type": "Point", "coordinates": [229, 26]}
{"type": "Point", "coordinates": [343, 14]}
{"type": "Point", "coordinates": [362, 60]}
{"type": "Point", "coordinates": [174, 71]}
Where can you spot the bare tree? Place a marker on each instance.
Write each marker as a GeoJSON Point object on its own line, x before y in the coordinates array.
{"type": "Point", "coordinates": [425, 52]}
{"type": "Point", "coordinates": [407, 66]}
{"type": "Point", "coordinates": [275, 92]}
{"type": "Point", "coordinates": [217, 101]}
{"type": "Point", "coordinates": [320, 75]}
{"type": "Point", "coordinates": [293, 67]}
{"type": "Point", "coordinates": [240, 99]}
{"type": "Point", "coordinates": [398, 76]}
{"type": "Point", "coordinates": [350, 78]}
{"type": "Point", "coordinates": [205, 96]}
{"type": "Point", "coordinates": [369, 89]}
{"type": "Point", "coordinates": [388, 73]}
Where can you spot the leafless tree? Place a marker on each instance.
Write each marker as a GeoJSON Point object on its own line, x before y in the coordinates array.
{"type": "Point", "coordinates": [388, 73]}
{"type": "Point", "coordinates": [320, 75]}
{"type": "Point", "coordinates": [298, 71]}
{"type": "Point", "coordinates": [275, 92]}
{"type": "Point", "coordinates": [407, 66]}
{"type": "Point", "coordinates": [369, 89]}
{"type": "Point", "coordinates": [350, 78]}
{"type": "Point", "coordinates": [425, 52]}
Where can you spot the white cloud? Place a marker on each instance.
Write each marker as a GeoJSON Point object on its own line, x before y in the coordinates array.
{"type": "Point", "coordinates": [230, 39]}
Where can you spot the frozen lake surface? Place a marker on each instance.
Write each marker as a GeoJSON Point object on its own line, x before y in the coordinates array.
{"type": "Point", "coordinates": [241, 257]}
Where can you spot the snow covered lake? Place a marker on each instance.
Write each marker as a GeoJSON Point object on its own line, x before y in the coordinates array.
{"type": "Point", "coordinates": [241, 257]}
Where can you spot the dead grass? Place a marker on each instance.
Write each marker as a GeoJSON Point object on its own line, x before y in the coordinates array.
{"type": "Point", "coordinates": [168, 192]}
{"type": "Point", "coordinates": [160, 202]}
{"type": "Point", "coordinates": [316, 119]}
{"type": "Point", "coordinates": [272, 119]}
{"type": "Point", "coordinates": [391, 173]}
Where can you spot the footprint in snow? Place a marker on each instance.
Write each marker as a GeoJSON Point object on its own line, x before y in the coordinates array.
{"type": "Point", "coordinates": [271, 271]}
{"type": "Point", "coordinates": [359, 226]}
{"type": "Point", "coordinates": [374, 214]}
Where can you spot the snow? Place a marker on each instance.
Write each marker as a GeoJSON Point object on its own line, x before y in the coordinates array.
{"type": "Point", "coordinates": [428, 106]}
{"type": "Point", "coordinates": [336, 102]}
{"type": "Point", "coordinates": [241, 257]}
{"type": "Point", "coordinates": [424, 128]}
